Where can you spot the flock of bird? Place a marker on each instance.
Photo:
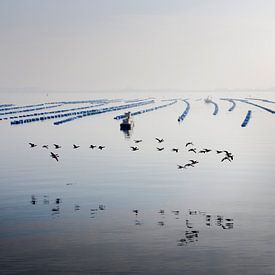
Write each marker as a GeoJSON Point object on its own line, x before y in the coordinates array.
{"type": "Point", "coordinates": [190, 234]}
{"type": "Point", "coordinates": [228, 156]}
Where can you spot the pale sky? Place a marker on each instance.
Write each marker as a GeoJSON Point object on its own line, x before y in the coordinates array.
{"type": "Point", "coordinates": [137, 44]}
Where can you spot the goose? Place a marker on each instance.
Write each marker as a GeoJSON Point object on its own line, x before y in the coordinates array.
{"type": "Point", "coordinates": [175, 150]}
{"type": "Point", "coordinates": [32, 144]}
{"type": "Point", "coordinates": [57, 146]}
{"type": "Point", "coordinates": [192, 150]}
{"type": "Point", "coordinates": [160, 140]}
{"type": "Point", "coordinates": [138, 140]}
{"type": "Point", "coordinates": [76, 146]}
{"type": "Point", "coordinates": [160, 149]}
{"type": "Point", "coordinates": [188, 143]}
{"type": "Point", "coordinates": [92, 146]}
{"type": "Point", "coordinates": [100, 147]}
{"type": "Point", "coordinates": [54, 156]}
{"type": "Point", "coordinates": [45, 146]}
{"type": "Point", "coordinates": [134, 148]}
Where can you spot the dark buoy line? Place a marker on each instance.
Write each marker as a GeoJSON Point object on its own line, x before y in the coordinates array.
{"type": "Point", "coordinates": [186, 111]}
{"type": "Point", "coordinates": [233, 103]}
{"type": "Point", "coordinates": [57, 111]}
{"type": "Point", "coordinates": [216, 107]}
{"type": "Point", "coordinates": [147, 110]}
{"type": "Point", "coordinates": [30, 110]}
{"type": "Point", "coordinates": [246, 119]}
{"type": "Point", "coordinates": [104, 110]}
{"type": "Point", "coordinates": [256, 105]}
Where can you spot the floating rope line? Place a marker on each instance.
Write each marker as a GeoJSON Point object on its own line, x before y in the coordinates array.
{"type": "Point", "coordinates": [58, 111]}
{"type": "Point", "coordinates": [259, 99]}
{"type": "Point", "coordinates": [146, 110]}
{"type": "Point", "coordinates": [22, 107]}
{"type": "Point", "coordinates": [30, 110]}
{"type": "Point", "coordinates": [233, 103]}
{"type": "Point", "coordinates": [104, 110]}
{"type": "Point", "coordinates": [247, 118]}
{"type": "Point", "coordinates": [215, 105]}
{"type": "Point", "coordinates": [186, 111]}
{"type": "Point", "coordinates": [256, 105]}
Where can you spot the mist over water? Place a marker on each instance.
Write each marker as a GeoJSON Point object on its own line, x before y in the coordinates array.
{"type": "Point", "coordinates": [116, 180]}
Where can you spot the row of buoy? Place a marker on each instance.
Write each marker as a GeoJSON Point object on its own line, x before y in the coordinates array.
{"type": "Point", "coordinates": [104, 110]}
{"type": "Point", "coordinates": [257, 105]}
{"type": "Point", "coordinates": [22, 107]}
{"type": "Point", "coordinates": [247, 118]}
{"type": "Point", "coordinates": [92, 101]}
{"type": "Point", "coordinates": [233, 103]}
{"type": "Point", "coordinates": [58, 111]}
{"type": "Point", "coordinates": [186, 111]}
{"type": "Point", "coordinates": [146, 110]}
{"type": "Point", "coordinates": [216, 107]}
{"type": "Point", "coordinates": [6, 105]}
{"type": "Point", "coordinates": [264, 100]}
{"type": "Point", "coordinates": [30, 109]}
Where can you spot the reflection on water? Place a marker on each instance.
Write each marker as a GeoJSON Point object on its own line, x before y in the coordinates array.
{"type": "Point", "coordinates": [179, 210]}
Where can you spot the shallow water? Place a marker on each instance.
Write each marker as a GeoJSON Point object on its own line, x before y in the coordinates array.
{"type": "Point", "coordinates": [35, 239]}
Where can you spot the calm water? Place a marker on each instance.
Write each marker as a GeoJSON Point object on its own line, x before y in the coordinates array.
{"type": "Point", "coordinates": [35, 239]}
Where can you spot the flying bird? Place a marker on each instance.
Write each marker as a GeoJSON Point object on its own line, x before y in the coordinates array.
{"type": "Point", "coordinates": [219, 152]}
{"type": "Point", "coordinates": [192, 150]}
{"type": "Point", "coordinates": [226, 158]}
{"type": "Point", "coordinates": [160, 149]}
{"type": "Point", "coordinates": [92, 146]}
{"type": "Point", "coordinates": [32, 144]}
{"type": "Point", "coordinates": [138, 140]}
{"type": "Point", "coordinates": [188, 164]}
{"type": "Point", "coordinates": [100, 147]}
{"type": "Point", "coordinates": [54, 156]}
{"type": "Point", "coordinates": [160, 140]}
{"type": "Point", "coordinates": [75, 146]}
{"type": "Point", "coordinates": [134, 148]}
{"type": "Point", "coordinates": [57, 146]}
{"type": "Point", "coordinates": [175, 150]}
{"type": "Point", "coordinates": [180, 166]}
{"type": "Point", "coordinates": [193, 161]}
{"type": "Point", "coordinates": [45, 146]}
{"type": "Point", "coordinates": [188, 143]}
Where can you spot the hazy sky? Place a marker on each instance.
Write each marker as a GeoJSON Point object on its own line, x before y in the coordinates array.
{"type": "Point", "coordinates": [146, 44]}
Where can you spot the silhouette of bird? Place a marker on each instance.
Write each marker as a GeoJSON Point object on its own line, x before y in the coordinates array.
{"type": "Point", "coordinates": [100, 147]}
{"type": "Point", "coordinates": [188, 143]}
{"type": "Point", "coordinates": [57, 146]}
{"type": "Point", "coordinates": [92, 146]}
{"type": "Point", "coordinates": [180, 166]}
{"type": "Point", "coordinates": [188, 164]}
{"type": "Point", "coordinates": [226, 158]}
{"type": "Point", "coordinates": [32, 144]}
{"type": "Point", "coordinates": [229, 155]}
{"type": "Point", "coordinates": [192, 150]}
{"type": "Point", "coordinates": [75, 146]}
{"type": "Point", "coordinates": [193, 161]}
{"type": "Point", "coordinates": [55, 209]}
{"type": "Point", "coordinates": [45, 146]}
{"type": "Point", "coordinates": [54, 156]}
{"type": "Point", "coordinates": [202, 151]}
{"type": "Point", "coordinates": [207, 150]}
{"type": "Point", "coordinates": [135, 211]}
{"type": "Point", "coordinates": [160, 149]}
{"type": "Point", "coordinates": [138, 140]}
{"type": "Point", "coordinates": [134, 148]}
{"type": "Point", "coordinates": [161, 211]}
{"type": "Point", "coordinates": [176, 212]}
{"type": "Point", "coordinates": [175, 150]}
{"type": "Point", "coordinates": [219, 152]}
{"type": "Point", "coordinates": [57, 200]}
{"type": "Point", "coordinates": [160, 140]}
{"type": "Point", "coordinates": [76, 207]}
{"type": "Point", "coordinates": [101, 207]}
